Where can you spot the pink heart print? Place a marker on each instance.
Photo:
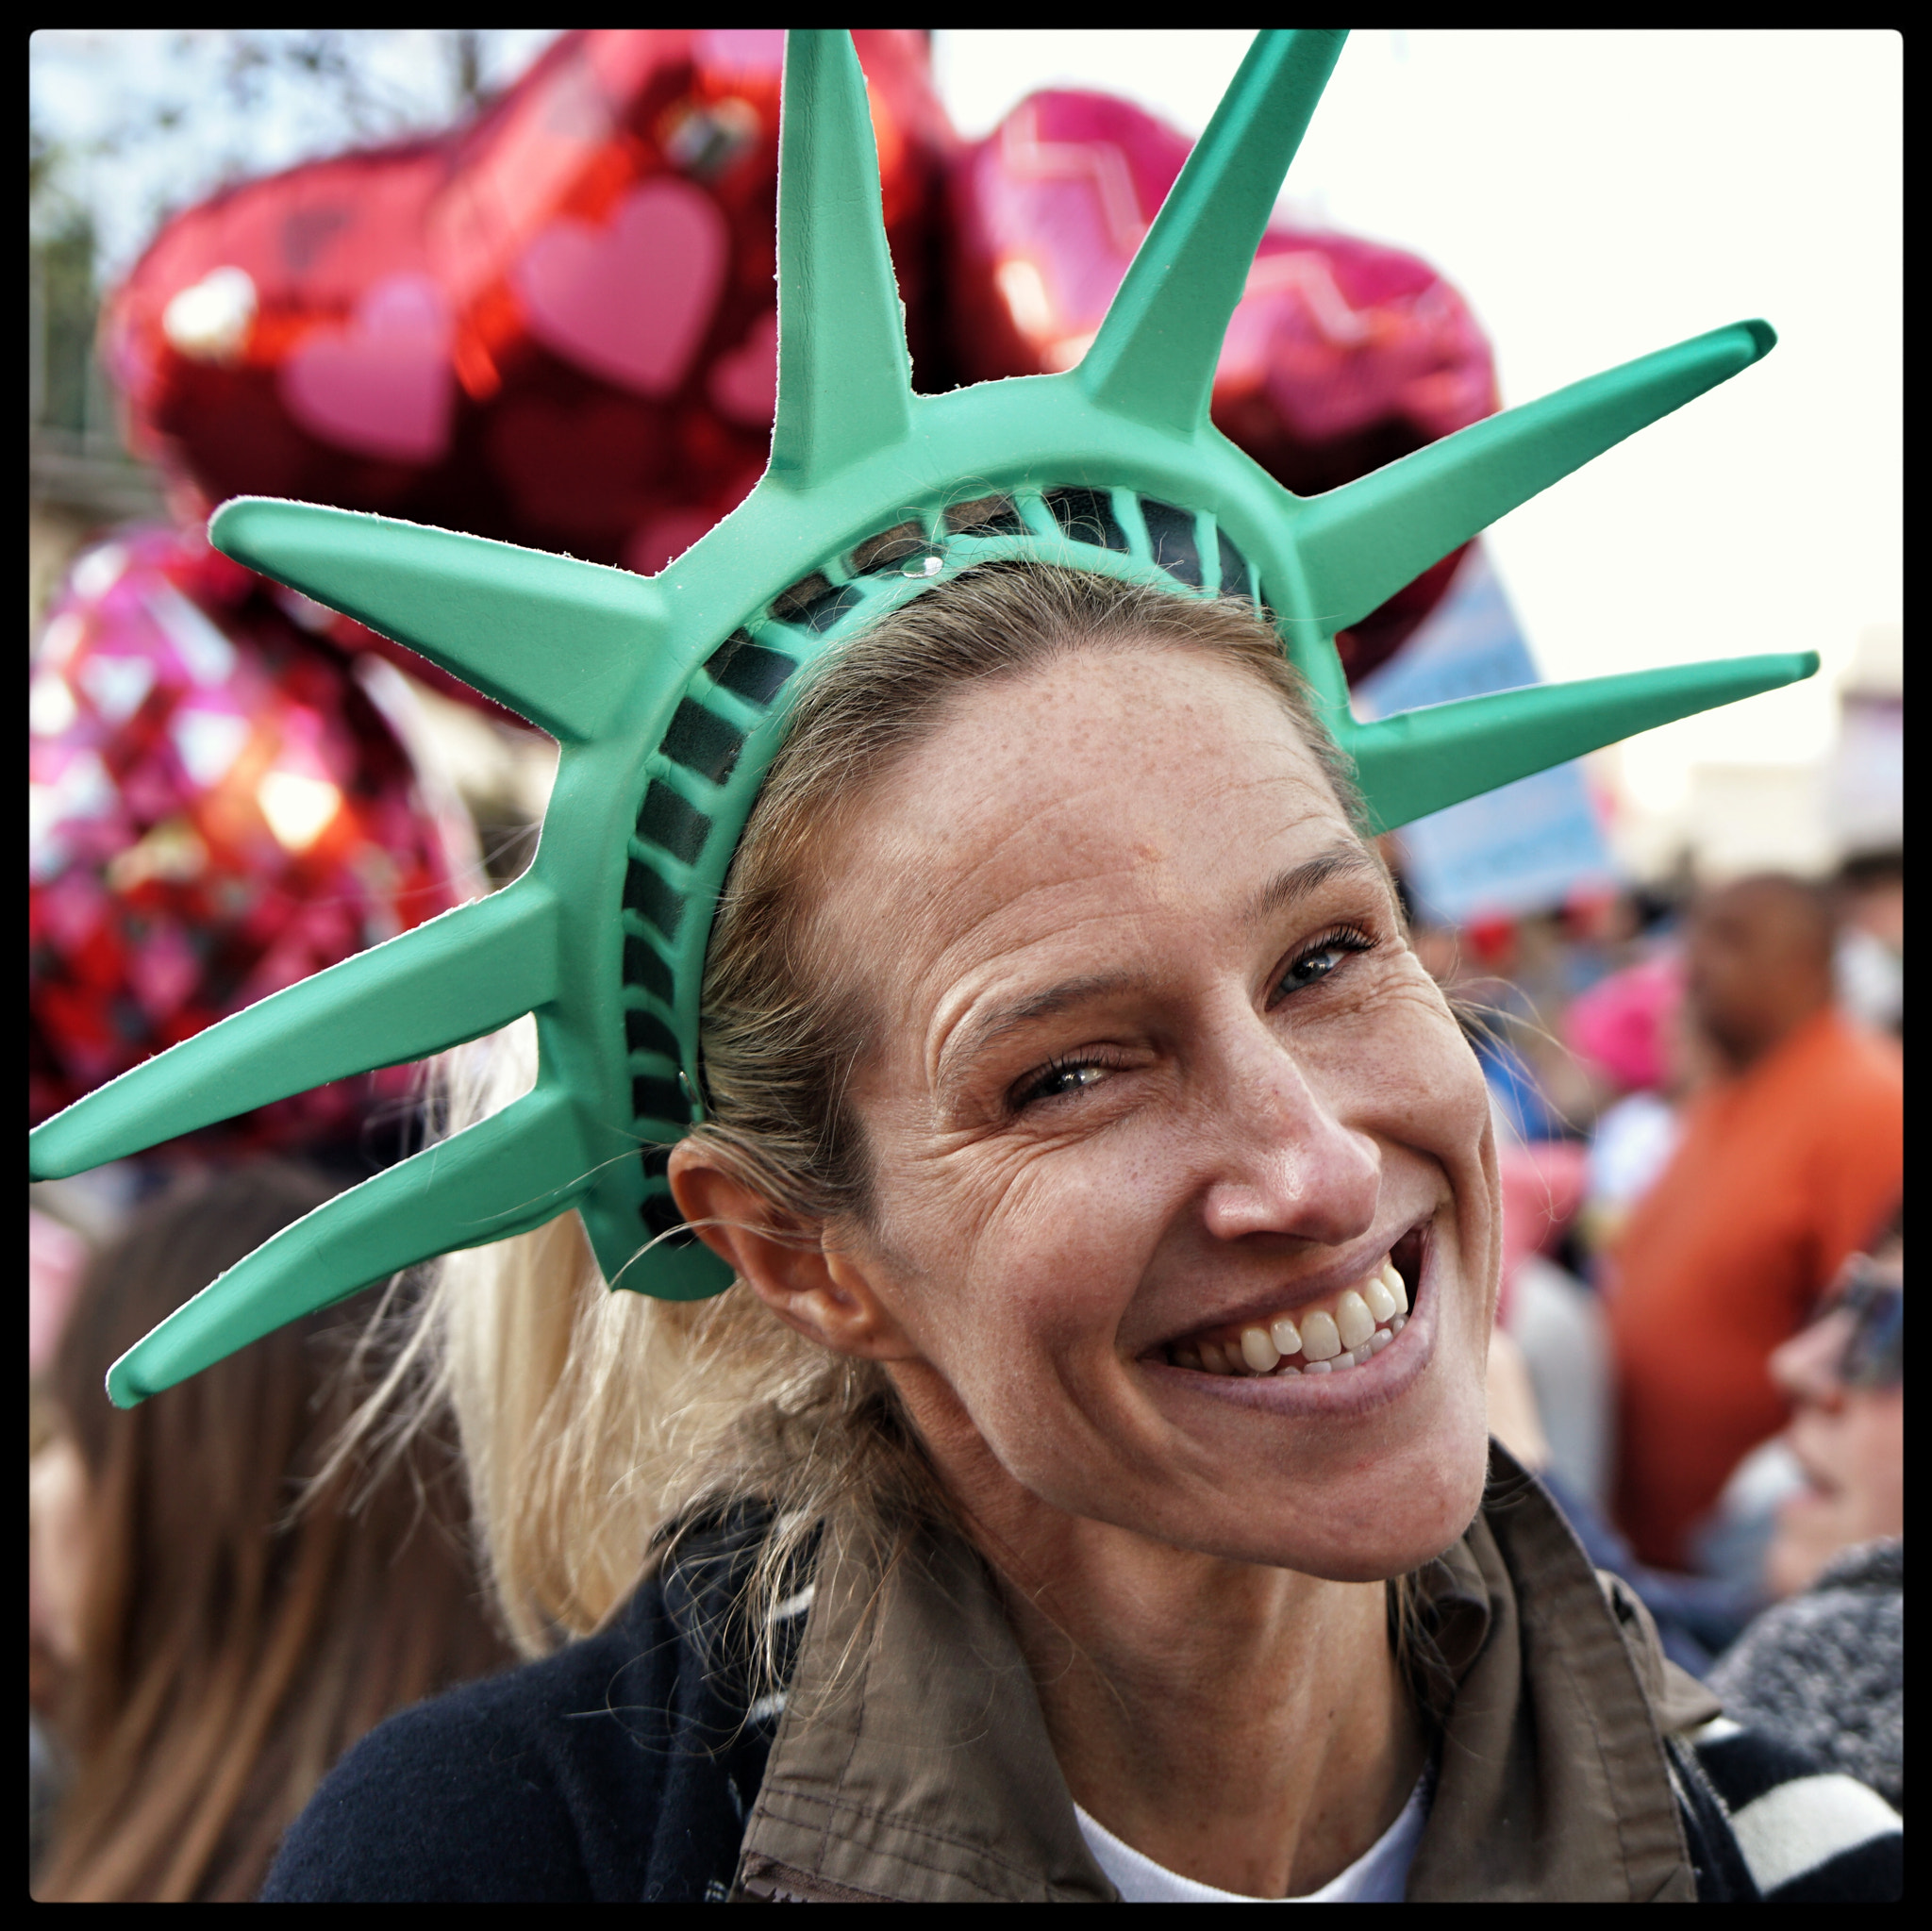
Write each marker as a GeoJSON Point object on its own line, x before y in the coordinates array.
{"type": "Point", "coordinates": [382, 384]}
{"type": "Point", "coordinates": [745, 384]}
{"type": "Point", "coordinates": [629, 301]}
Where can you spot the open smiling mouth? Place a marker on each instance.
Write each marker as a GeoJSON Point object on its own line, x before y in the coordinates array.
{"type": "Point", "coordinates": [1344, 1330]}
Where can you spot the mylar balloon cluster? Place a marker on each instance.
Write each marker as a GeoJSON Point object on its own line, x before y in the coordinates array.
{"type": "Point", "coordinates": [1340, 355]}
{"type": "Point", "coordinates": [217, 808]}
{"type": "Point", "coordinates": [556, 325]}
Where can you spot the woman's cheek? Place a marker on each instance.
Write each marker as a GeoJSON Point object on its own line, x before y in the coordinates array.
{"type": "Point", "coordinates": [1067, 1240]}
{"type": "Point", "coordinates": [1026, 1241]}
{"type": "Point", "coordinates": [1876, 1418]}
{"type": "Point", "coordinates": [1397, 1063]}
{"type": "Point", "coordinates": [1447, 1075]}
{"type": "Point", "coordinates": [1415, 1081]}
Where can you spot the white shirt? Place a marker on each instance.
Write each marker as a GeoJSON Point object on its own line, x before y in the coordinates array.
{"type": "Point", "coordinates": [1378, 1876]}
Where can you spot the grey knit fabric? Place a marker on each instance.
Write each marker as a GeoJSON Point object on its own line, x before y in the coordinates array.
{"type": "Point", "coordinates": [1826, 1669]}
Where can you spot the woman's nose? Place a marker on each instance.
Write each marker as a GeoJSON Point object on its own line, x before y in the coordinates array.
{"type": "Point", "coordinates": [1806, 1367]}
{"type": "Point", "coordinates": [1286, 1162]}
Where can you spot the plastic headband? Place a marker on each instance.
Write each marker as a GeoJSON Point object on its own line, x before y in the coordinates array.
{"type": "Point", "coordinates": [668, 696]}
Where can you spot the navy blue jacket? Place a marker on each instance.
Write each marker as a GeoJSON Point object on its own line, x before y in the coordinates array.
{"type": "Point", "coordinates": [620, 1768]}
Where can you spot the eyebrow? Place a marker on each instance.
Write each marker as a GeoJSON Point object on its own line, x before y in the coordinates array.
{"type": "Point", "coordinates": [965, 1047]}
{"type": "Point", "coordinates": [1287, 890]}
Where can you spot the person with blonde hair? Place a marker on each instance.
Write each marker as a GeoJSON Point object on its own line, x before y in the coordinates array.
{"type": "Point", "coordinates": [1045, 1456]}
{"type": "Point", "coordinates": [222, 1606]}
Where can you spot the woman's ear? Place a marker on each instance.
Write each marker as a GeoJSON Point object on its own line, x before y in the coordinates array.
{"type": "Point", "coordinates": [821, 1291]}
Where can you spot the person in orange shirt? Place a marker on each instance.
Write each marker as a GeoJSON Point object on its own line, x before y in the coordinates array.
{"type": "Point", "coordinates": [1791, 1158]}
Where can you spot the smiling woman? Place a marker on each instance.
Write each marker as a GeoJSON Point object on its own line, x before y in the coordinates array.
{"type": "Point", "coordinates": [1124, 1048]}
{"type": "Point", "coordinates": [1080, 1493]}
{"type": "Point", "coordinates": [1126, 1051]}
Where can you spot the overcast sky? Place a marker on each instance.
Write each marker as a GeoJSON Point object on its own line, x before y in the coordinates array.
{"type": "Point", "coordinates": [1594, 194]}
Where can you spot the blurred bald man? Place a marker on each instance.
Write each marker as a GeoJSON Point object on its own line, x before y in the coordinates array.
{"type": "Point", "coordinates": [1791, 1158]}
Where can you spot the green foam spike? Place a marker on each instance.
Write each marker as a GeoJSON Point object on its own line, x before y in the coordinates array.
{"type": "Point", "coordinates": [465, 603]}
{"type": "Point", "coordinates": [844, 378]}
{"type": "Point", "coordinates": [1425, 760]}
{"type": "Point", "coordinates": [1361, 543]}
{"type": "Point", "coordinates": [1155, 355]}
{"type": "Point", "coordinates": [512, 1172]}
{"type": "Point", "coordinates": [670, 697]}
{"type": "Point", "coordinates": [450, 979]}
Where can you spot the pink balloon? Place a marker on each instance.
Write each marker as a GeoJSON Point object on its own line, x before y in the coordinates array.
{"type": "Point", "coordinates": [745, 384]}
{"type": "Point", "coordinates": [629, 302]}
{"type": "Point", "coordinates": [56, 1257]}
{"type": "Point", "coordinates": [1542, 1188]}
{"type": "Point", "coordinates": [1623, 1024]}
{"type": "Point", "coordinates": [382, 384]}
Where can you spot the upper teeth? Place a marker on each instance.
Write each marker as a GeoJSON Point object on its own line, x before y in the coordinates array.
{"type": "Point", "coordinates": [1358, 1326]}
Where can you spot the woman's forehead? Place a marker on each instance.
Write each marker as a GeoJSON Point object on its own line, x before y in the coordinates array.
{"type": "Point", "coordinates": [1149, 730]}
{"type": "Point", "coordinates": [1070, 812]}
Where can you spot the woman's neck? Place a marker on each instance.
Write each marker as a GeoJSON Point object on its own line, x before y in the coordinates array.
{"type": "Point", "coordinates": [1244, 1726]}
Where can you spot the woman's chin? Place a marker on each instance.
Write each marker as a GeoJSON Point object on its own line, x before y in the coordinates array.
{"type": "Point", "coordinates": [1396, 1528]}
{"type": "Point", "coordinates": [1811, 1528]}
{"type": "Point", "coordinates": [1389, 1510]}
{"type": "Point", "coordinates": [1376, 1522]}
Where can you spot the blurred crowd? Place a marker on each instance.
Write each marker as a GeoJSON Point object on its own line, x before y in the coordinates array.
{"type": "Point", "coordinates": [1699, 1099]}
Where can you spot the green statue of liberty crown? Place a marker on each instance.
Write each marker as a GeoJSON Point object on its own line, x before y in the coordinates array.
{"type": "Point", "coordinates": [669, 695]}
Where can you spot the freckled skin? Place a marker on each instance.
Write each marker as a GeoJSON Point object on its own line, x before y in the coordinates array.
{"type": "Point", "coordinates": [1195, 1583]}
{"type": "Point", "coordinates": [1114, 816]}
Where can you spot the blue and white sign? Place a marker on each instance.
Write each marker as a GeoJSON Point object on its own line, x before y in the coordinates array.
{"type": "Point", "coordinates": [1520, 849]}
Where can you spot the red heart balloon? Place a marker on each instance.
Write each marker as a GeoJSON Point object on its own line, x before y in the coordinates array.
{"type": "Point", "coordinates": [598, 295]}
{"type": "Point", "coordinates": [554, 326]}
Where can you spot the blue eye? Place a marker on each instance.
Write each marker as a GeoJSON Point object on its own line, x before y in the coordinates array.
{"type": "Point", "coordinates": [1321, 958]}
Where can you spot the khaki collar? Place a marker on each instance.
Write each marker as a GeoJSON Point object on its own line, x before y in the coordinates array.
{"type": "Point", "coordinates": [1552, 1782]}
{"type": "Point", "coordinates": [927, 1774]}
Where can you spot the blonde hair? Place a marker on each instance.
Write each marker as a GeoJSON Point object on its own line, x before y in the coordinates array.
{"type": "Point", "coordinates": [230, 1652]}
{"type": "Point", "coordinates": [594, 1423]}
